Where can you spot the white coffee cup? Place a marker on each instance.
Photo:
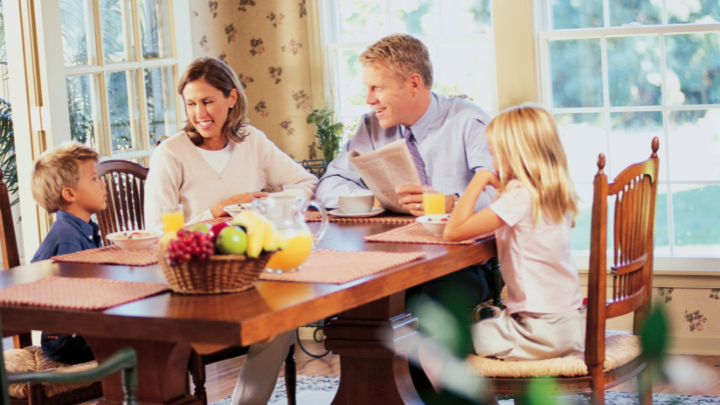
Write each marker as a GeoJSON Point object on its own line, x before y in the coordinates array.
{"type": "Point", "coordinates": [359, 202]}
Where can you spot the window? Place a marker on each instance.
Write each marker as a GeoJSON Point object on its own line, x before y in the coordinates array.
{"type": "Point", "coordinates": [120, 74]}
{"type": "Point", "coordinates": [616, 74]}
{"type": "Point", "coordinates": [458, 34]}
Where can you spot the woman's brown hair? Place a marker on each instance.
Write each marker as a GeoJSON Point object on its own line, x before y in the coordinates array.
{"type": "Point", "coordinates": [219, 75]}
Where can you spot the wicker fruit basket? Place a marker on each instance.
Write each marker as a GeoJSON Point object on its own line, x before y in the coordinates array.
{"type": "Point", "coordinates": [218, 274]}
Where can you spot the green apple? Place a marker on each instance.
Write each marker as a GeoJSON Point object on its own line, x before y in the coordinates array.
{"type": "Point", "coordinates": [202, 227]}
{"type": "Point", "coordinates": [232, 240]}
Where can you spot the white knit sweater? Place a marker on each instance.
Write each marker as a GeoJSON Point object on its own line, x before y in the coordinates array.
{"type": "Point", "coordinates": [180, 174]}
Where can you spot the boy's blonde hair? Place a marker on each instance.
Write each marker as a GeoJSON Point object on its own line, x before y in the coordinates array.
{"type": "Point", "coordinates": [527, 147]}
{"type": "Point", "coordinates": [403, 54]}
{"type": "Point", "coordinates": [56, 169]}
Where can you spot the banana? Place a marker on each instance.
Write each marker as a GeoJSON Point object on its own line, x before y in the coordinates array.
{"type": "Point", "coordinates": [270, 244]}
{"type": "Point", "coordinates": [255, 227]}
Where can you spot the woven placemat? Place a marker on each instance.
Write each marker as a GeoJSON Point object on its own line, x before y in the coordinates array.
{"type": "Point", "coordinates": [311, 216]}
{"type": "Point", "coordinates": [78, 293]}
{"type": "Point", "coordinates": [414, 233]}
{"type": "Point", "coordinates": [110, 255]}
{"type": "Point", "coordinates": [336, 267]}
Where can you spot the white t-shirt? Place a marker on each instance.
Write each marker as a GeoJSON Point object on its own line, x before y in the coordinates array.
{"type": "Point", "coordinates": [535, 258]}
{"type": "Point", "coordinates": [218, 159]}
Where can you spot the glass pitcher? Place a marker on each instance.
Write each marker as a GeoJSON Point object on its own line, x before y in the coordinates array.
{"type": "Point", "coordinates": [288, 215]}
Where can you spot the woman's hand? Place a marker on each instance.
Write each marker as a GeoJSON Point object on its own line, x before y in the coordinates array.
{"type": "Point", "coordinates": [243, 198]}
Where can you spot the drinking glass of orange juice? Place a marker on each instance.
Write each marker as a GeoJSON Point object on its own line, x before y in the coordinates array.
{"type": "Point", "coordinates": [288, 215]}
{"type": "Point", "coordinates": [433, 201]}
{"type": "Point", "coordinates": [172, 218]}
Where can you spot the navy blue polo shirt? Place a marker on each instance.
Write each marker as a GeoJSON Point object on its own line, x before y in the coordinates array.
{"type": "Point", "coordinates": [68, 234]}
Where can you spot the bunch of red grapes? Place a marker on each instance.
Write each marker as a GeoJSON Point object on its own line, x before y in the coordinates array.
{"type": "Point", "coordinates": [190, 245]}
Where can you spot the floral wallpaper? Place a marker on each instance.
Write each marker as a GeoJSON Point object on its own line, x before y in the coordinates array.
{"type": "Point", "coordinates": [265, 42]}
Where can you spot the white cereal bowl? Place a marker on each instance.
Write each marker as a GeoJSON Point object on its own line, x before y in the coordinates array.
{"type": "Point", "coordinates": [435, 224]}
{"type": "Point", "coordinates": [134, 240]}
{"type": "Point", "coordinates": [237, 208]}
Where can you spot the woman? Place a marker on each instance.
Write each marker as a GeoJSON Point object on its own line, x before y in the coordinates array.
{"type": "Point", "coordinates": [219, 160]}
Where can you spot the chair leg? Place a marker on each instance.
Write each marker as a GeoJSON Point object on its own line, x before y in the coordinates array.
{"type": "Point", "coordinates": [197, 370]}
{"type": "Point", "coordinates": [36, 395]}
{"type": "Point", "coordinates": [290, 375]}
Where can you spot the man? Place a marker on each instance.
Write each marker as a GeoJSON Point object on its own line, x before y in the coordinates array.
{"type": "Point", "coordinates": [448, 133]}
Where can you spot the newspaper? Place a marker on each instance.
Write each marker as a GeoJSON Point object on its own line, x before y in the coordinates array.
{"type": "Point", "coordinates": [386, 169]}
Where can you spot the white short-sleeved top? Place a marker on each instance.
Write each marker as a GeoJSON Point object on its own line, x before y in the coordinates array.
{"type": "Point", "coordinates": [535, 258]}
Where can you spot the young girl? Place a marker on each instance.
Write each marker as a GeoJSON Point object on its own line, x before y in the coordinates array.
{"type": "Point", "coordinates": [531, 217]}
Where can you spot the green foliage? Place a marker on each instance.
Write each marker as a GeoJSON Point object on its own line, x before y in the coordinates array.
{"type": "Point", "coordinates": [329, 132]}
{"type": "Point", "coordinates": [654, 335]}
{"type": "Point", "coordinates": [7, 149]}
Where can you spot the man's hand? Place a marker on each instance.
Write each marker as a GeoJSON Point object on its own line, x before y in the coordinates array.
{"type": "Point", "coordinates": [411, 198]}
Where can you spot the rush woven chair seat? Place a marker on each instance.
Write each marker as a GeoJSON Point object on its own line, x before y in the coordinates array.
{"type": "Point", "coordinates": [27, 376]}
{"type": "Point", "coordinates": [610, 358]}
{"type": "Point", "coordinates": [125, 185]}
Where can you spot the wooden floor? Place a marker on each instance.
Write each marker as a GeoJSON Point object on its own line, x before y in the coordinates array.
{"type": "Point", "coordinates": [223, 375]}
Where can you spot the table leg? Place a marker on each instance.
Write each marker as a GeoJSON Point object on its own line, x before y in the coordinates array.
{"type": "Point", "coordinates": [365, 338]}
{"type": "Point", "coordinates": [162, 371]}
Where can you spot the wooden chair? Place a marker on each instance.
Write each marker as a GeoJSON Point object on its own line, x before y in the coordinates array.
{"type": "Point", "coordinates": [123, 360]}
{"type": "Point", "coordinates": [314, 166]}
{"type": "Point", "coordinates": [125, 184]}
{"type": "Point", "coordinates": [609, 358]}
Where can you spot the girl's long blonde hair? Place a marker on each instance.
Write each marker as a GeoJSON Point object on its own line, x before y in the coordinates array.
{"type": "Point", "coordinates": [527, 147]}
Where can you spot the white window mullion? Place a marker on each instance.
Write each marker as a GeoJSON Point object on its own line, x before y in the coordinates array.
{"type": "Point", "coordinates": [606, 98]}
{"type": "Point", "coordinates": [666, 135]}
{"type": "Point", "coordinates": [606, 13]}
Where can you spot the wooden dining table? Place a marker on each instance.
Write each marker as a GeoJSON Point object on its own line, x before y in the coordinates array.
{"type": "Point", "coordinates": [369, 325]}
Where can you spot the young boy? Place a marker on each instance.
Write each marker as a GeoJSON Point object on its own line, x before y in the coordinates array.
{"type": "Point", "coordinates": [65, 181]}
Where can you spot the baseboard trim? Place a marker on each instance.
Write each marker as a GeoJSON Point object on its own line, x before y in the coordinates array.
{"type": "Point", "coordinates": [697, 343]}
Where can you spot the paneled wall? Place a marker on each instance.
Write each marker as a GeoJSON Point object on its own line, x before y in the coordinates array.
{"type": "Point", "coordinates": [266, 43]}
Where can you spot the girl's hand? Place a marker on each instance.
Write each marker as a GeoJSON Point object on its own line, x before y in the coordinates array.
{"type": "Point", "coordinates": [243, 198]}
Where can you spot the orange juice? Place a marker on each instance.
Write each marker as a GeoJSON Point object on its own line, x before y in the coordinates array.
{"type": "Point", "coordinates": [434, 203]}
{"type": "Point", "coordinates": [297, 251]}
{"type": "Point", "coordinates": [172, 221]}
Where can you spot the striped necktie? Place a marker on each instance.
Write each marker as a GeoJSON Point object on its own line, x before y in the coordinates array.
{"type": "Point", "coordinates": [415, 153]}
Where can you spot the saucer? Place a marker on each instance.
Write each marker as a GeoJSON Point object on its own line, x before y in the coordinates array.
{"type": "Point", "coordinates": [373, 212]}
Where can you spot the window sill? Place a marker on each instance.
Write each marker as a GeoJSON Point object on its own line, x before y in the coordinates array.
{"type": "Point", "coordinates": [675, 272]}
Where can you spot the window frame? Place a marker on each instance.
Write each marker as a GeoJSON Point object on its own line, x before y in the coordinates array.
{"type": "Point", "coordinates": [331, 34]}
{"type": "Point", "coordinates": [39, 91]}
{"type": "Point", "coordinates": [544, 34]}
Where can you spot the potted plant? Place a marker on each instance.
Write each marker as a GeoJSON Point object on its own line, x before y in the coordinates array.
{"type": "Point", "coordinates": [329, 131]}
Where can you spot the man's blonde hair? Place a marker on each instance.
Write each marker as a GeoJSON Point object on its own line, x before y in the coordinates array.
{"type": "Point", "coordinates": [403, 54]}
{"type": "Point", "coordinates": [56, 169]}
{"type": "Point", "coordinates": [527, 147]}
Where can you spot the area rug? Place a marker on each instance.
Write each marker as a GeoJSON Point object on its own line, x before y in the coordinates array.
{"type": "Point", "coordinates": [321, 391]}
